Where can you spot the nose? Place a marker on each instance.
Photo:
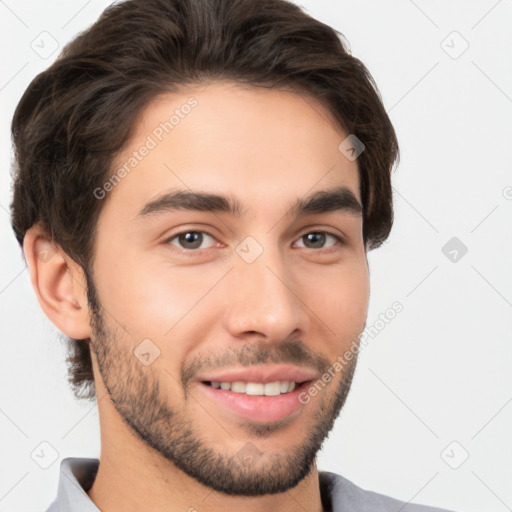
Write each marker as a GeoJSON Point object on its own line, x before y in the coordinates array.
{"type": "Point", "coordinates": [265, 300]}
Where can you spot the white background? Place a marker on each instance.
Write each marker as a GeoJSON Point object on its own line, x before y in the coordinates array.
{"type": "Point", "coordinates": [440, 371]}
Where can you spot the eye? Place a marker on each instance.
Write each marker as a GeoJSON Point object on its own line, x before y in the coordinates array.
{"type": "Point", "coordinates": [194, 240]}
{"type": "Point", "coordinates": [190, 239]}
{"type": "Point", "coordinates": [317, 239]}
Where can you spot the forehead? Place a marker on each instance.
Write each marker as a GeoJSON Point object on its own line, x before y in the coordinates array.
{"type": "Point", "coordinates": [263, 146]}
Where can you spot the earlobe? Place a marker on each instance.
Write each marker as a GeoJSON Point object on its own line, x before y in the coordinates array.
{"type": "Point", "coordinates": [59, 284]}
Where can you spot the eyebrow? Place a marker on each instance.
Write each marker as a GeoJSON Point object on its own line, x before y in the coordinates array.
{"type": "Point", "coordinates": [323, 201]}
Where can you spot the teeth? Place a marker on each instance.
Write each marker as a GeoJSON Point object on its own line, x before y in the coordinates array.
{"type": "Point", "coordinates": [272, 388]}
{"type": "Point", "coordinates": [238, 387]}
{"type": "Point", "coordinates": [256, 388]}
{"type": "Point", "coordinates": [253, 388]}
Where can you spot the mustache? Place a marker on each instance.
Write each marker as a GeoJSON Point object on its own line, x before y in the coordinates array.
{"type": "Point", "coordinates": [255, 353]}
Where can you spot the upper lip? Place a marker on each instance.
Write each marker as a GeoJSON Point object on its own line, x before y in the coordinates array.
{"type": "Point", "coordinates": [264, 374]}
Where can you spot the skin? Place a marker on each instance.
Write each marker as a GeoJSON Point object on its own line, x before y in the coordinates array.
{"type": "Point", "coordinates": [210, 309]}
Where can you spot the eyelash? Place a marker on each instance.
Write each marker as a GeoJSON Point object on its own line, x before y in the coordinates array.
{"type": "Point", "coordinates": [337, 237]}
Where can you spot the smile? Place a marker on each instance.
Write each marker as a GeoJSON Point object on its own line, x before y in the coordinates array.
{"type": "Point", "coordinates": [256, 401]}
{"type": "Point", "coordinates": [255, 388]}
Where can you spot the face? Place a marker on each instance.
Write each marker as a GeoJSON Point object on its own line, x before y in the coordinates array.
{"type": "Point", "coordinates": [229, 275]}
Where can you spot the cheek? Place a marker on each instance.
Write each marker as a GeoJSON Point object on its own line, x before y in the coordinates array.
{"type": "Point", "coordinates": [356, 295]}
{"type": "Point", "coordinates": [150, 298]}
{"type": "Point", "coordinates": [338, 298]}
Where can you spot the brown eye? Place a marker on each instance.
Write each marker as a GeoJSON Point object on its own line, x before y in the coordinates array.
{"type": "Point", "coordinates": [190, 239]}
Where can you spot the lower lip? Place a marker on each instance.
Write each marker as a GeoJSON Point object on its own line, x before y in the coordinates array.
{"type": "Point", "coordinates": [260, 408]}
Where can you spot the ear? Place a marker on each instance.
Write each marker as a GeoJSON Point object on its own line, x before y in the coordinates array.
{"type": "Point", "coordinates": [59, 283]}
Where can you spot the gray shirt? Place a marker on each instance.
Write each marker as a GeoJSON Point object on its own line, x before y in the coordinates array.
{"type": "Point", "coordinates": [338, 494]}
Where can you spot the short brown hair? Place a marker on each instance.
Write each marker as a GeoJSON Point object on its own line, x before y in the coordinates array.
{"type": "Point", "coordinates": [78, 114]}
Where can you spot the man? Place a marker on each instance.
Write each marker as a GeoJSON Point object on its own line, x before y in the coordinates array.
{"type": "Point", "coordinates": [197, 185]}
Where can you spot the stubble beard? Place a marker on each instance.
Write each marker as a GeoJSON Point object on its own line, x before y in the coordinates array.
{"type": "Point", "coordinates": [136, 394]}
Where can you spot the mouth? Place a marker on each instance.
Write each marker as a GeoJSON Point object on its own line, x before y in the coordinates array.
{"type": "Point", "coordinates": [256, 401]}
{"type": "Point", "coordinates": [275, 388]}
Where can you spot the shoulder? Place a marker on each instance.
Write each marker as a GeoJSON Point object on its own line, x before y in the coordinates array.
{"type": "Point", "coordinates": [341, 495]}
{"type": "Point", "coordinates": [54, 507]}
